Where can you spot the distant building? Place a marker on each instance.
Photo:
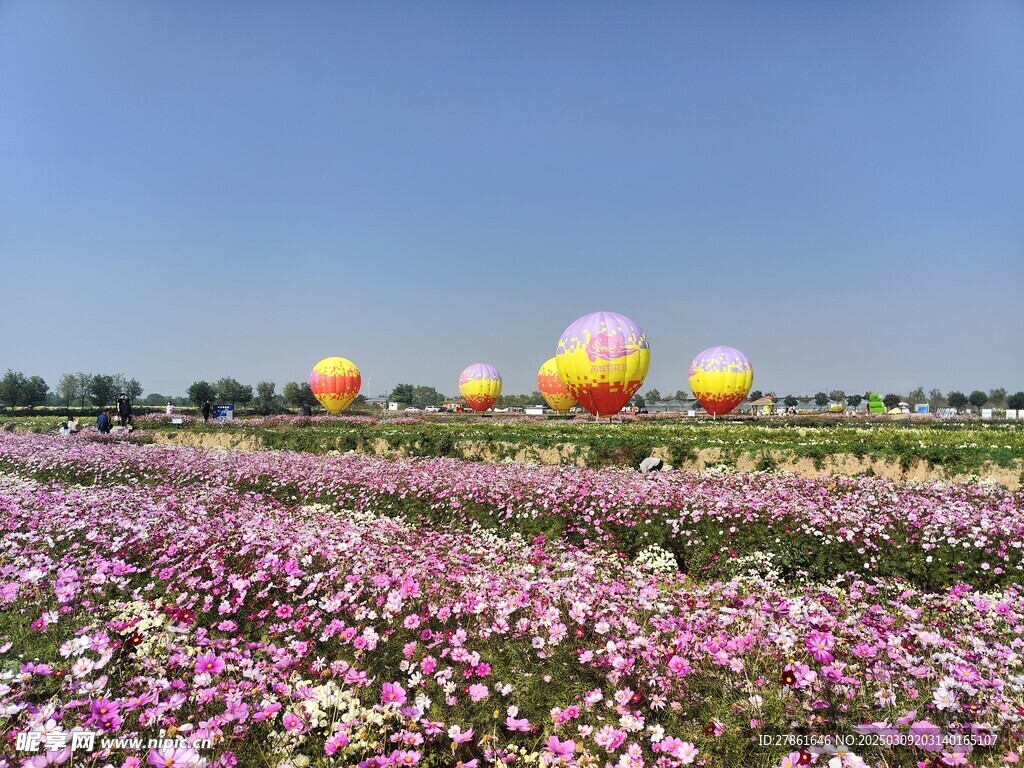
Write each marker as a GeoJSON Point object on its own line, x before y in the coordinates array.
{"type": "Point", "coordinates": [673, 406]}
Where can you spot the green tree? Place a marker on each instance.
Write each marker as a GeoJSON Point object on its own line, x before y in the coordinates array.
{"type": "Point", "coordinates": [35, 392]}
{"type": "Point", "coordinates": [11, 387]}
{"type": "Point", "coordinates": [837, 396]}
{"type": "Point", "coordinates": [133, 389]}
{"type": "Point", "coordinates": [755, 394]}
{"type": "Point", "coordinates": [681, 395]}
{"type": "Point", "coordinates": [298, 395]}
{"type": "Point", "coordinates": [230, 390]}
{"type": "Point", "coordinates": [423, 395]}
{"type": "Point", "coordinates": [916, 396]}
{"type": "Point", "coordinates": [821, 399]}
{"type": "Point", "coordinates": [854, 400]}
{"type": "Point", "coordinates": [1015, 401]}
{"type": "Point", "coordinates": [977, 398]}
{"type": "Point", "coordinates": [102, 390]}
{"type": "Point", "coordinates": [155, 398]}
{"type": "Point", "coordinates": [67, 389]}
{"type": "Point", "coordinates": [402, 393]}
{"type": "Point", "coordinates": [997, 397]}
{"type": "Point", "coordinates": [891, 401]}
{"type": "Point", "coordinates": [265, 397]}
{"type": "Point", "coordinates": [638, 401]}
{"type": "Point", "coordinates": [652, 395]}
{"type": "Point", "coordinates": [936, 399]}
{"type": "Point", "coordinates": [84, 387]}
{"type": "Point", "coordinates": [201, 391]}
{"type": "Point", "coordinates": [790, 402]}
{"type": "Point", "coordinates": [957, 400]}
{"type": "Point", "coordinates": [292, 394]}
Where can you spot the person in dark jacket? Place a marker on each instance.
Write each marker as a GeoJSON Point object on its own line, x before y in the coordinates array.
{"type": "Point", "coordinates": [124, 410]}
{"type": "Point", "coordinates": [206, 411]}
{"type": "Point", "coordinates": [103, 423]}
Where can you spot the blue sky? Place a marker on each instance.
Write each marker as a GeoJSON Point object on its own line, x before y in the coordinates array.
{"type": "Point", "coordinates": [197, 190]}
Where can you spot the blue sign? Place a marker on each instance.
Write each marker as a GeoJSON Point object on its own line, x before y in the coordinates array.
{"type": "Point", "coordinates": [921, 408]}
{"type": "Point", "coordinates": [225, 413]}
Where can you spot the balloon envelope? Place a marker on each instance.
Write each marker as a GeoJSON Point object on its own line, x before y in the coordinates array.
{"type": "Point", "coordinates": [553, 389]}
{"type": "Point", "coordinates": [603, 358]}
{"type": "Point", "coordinates": [480, 386]}
{"type": "Point", "coordinates": [720, 377]}
{"type": "Point", "coordinates": [335, 382]}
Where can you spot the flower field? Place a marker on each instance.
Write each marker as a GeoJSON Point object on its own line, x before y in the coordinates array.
{"type": "Point", "coordinates": [288, 609]}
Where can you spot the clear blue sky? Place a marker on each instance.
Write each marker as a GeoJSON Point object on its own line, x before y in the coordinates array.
{"type": "Point", "coordinates": [197, 190]}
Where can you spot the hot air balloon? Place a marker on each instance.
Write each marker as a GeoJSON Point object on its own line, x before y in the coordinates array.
{"type": "Point", "coordinates": [335, 382]}
{"type": "Point", "coordinates": [551, 386]}
{"type": "Point", "coordinates": [720, 378]}
{"type": "Point", "coordinates": [480, 386]}
{"type": "Point", "coordinates": [603, 359]}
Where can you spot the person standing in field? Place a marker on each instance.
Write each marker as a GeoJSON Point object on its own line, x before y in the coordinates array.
{"type": "Point", "coordinates": [170, 408]}
{"type": "Point", "coordinates": [124, 411]}
{"type": "Point", "coordinates": [206, 411]}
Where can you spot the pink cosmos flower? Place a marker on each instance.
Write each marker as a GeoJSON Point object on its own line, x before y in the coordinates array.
{"type": "Point", "coordinates": [478, 692]}
{"type": "Point", "coordinates": [820, 645]}
{"type": "Point", "coordinates": [560, 750]}
{"type": "Point", "coordinates": [392, 693]}
{"type": "Point", "coordinates": [336, 742]}
{"type": "Point", "coordinates": [173, 758]}
{"type": "Point", "coordinates": [210, 663]}
{"type": "Point", "coordinates": [924, 735]}
{"type": "Point", "coordinates": [517, 725]}
{"type": "Point", "coordinates": [291, 722]}
{"type": "Point", "coordinates": [404, 757]}
{"type": "Point", "coordinates": [680, 666]}
{"type": "Point", "coordinates": [610, 738]}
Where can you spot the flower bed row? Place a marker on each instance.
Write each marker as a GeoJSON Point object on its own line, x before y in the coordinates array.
{"type": "Point", "coordinates": [932, 535]}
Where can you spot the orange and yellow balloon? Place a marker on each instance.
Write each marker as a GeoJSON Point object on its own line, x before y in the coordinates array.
{"type": "Point", "coordinates": [335, 382]}
{"type": "Point", "coordinates": [553, 389]}
{"type": "Point", "coordinates": [603, 358]}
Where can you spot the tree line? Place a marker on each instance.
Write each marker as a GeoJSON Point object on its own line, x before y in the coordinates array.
{"type": "Point", "coordinates": [100, 390]}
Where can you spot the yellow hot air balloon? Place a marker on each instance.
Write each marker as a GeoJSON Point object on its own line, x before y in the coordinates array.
{"type": "Point", "coordinates": [335, 382]}
{"type": "Point", "coordinates": [553, 389]}
{"type": "Point", "coordinates": [480, 386]}
{"type": "Point", "coordinates": [603, 358]}
{"type": "Point", "coordinates": [720, 377]}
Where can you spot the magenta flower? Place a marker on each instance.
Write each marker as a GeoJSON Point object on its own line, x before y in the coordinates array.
{"type": "Point", "coordinates": [209, 663]}
{"type": "Point", "coordinates": [392, 693]}
{"type": "Point", "coordinates": [563, 750]}
{"type": "Point", "coordinates": [291, 722]}
{"type": "Point", "coordinates": [679, 665]}
{"type": "Point", "coordinates": [820, 645]}
{"type": "Point", "coordinates": [336, 742]}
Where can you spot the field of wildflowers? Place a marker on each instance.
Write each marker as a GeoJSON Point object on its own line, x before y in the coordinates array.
{"type": "Point", "coordinates": [286, 609]}
{"type": "Point", "coordinates": [949, 448]}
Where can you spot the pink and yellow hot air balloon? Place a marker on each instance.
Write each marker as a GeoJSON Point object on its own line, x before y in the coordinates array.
{"type": "Point", "coordinates": [720, 377]}
{"type": "Point", "coordinates": [553, 389]}
{"type": "Point", "coordinates": [335, 382]}
{"type": "Point", "coordinates": [603, 358]}
{"type": "Point", "coordinates": [480, 386]}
